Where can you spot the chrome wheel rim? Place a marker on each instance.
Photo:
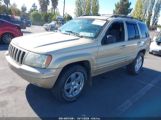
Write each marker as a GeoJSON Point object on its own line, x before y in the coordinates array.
{"type": "Point", "coordinates": [139, 62]}
{"type": "Point", "coordinates": [74, 84]}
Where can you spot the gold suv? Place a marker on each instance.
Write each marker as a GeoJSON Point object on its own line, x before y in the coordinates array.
{"type": "Point", "coordinates": [65, 60]}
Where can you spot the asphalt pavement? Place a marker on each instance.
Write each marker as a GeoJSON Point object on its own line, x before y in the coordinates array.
{"type": "Point", "coordinates": [113, 94]}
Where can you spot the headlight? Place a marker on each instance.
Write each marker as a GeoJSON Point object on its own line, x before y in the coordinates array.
{"type": "Point", "coordinates": [37, 60]}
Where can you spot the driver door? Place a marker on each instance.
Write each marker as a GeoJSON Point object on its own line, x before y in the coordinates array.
{"type": "Point", "coordinates": [112, 53]}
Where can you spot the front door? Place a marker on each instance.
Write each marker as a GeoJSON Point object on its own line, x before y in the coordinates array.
{"type": "Point", "coordinates": [112, 50]}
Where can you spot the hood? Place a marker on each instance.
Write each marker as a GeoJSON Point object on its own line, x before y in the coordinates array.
{"type": "Point", "coordinates": [48, 41]}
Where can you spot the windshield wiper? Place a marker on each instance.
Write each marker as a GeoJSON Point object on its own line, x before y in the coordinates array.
{"type": "Point", "coordinates": [73, 33]}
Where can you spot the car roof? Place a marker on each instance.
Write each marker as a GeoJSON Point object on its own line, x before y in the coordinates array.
{"type": "Point", "coordinates": [95, 17]}
{"type": "Point", "coordinates": [113, 17]}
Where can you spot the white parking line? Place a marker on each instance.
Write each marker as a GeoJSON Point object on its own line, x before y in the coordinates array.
{"type": "Point", "coordinates": [131, 101]}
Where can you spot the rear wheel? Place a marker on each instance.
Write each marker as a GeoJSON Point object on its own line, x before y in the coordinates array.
{"type": "Point", "coordinates": [136, 66]}
{"type": "Point", "coordinates": [70, 83]}
{"type": "Point", "coordinates": [6, 38]}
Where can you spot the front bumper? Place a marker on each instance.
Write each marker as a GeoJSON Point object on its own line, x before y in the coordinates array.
{"type": "Point", "coordinates": [157, 52]}
{"type": "Point", "coordinates": [44, 78]}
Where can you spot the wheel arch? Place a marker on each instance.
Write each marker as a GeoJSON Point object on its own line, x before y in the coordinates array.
{"type": "Point", "coordinates": [84, 63]}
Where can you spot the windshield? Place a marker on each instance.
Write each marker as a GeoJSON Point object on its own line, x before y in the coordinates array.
{"type": "Point", "coordinates": [83, 27]}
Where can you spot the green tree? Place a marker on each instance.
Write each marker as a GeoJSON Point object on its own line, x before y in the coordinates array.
{"type": "Point", "coordinates": [87, 4]}
{"type": "Point", "coordinates": [79, 9]}
{"type": "Point", "coordinates": [138, 11]}
{"type": "Point", "coordinates": [67, 17]}
{"type": "Point", "coordinates": [36, 18]}
{"type": "Point", "coordinates": [44, 5]}
{"type": "Point", "coordinates": [33, 8]}
{"type": "Point", "coordinates": [3, 9]}
{"type": "Point", "coordinates": [145, 8]}
{"type": "Point", "coordinates": [95, 7]}
{"type": "Point", "coordinates": [122, 7]}
{"type": "Point", "coordinates": [87, 7]}
{"type": "Point", "coordinates": [13, 10]}
{"type": "Point", "coordinates": [24, 8]}
{"type": "Point", "coordinates": [23, 11]}
{"type": "Point", "coordinates": [54, 5]}
{"type": "Point", "coordinates": [150, 12]}
{"type": "Point", "coordinates": [156, 13]}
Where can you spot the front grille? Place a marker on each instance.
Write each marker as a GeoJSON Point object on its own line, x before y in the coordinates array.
{"type": "Point", "coordinates": [16, 54]}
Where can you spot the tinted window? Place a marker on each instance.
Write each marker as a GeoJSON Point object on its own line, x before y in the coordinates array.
{"type": "Point", "coordinates": [133, 32]}
{"type": "Point", "coordinates": [144, 30]}
{"type": "Point", "coordinates": [116, 30]}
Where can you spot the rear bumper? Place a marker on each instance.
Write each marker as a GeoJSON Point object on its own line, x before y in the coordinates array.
{"type": "Point", "coordinates": [44, 78]}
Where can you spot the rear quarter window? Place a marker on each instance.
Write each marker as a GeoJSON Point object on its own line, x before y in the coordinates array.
{"type": "Point", "coordinates": [144, 30]}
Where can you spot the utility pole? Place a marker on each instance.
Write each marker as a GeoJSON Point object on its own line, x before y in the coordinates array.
{"type": "Point", "coordinates": [64, 9]}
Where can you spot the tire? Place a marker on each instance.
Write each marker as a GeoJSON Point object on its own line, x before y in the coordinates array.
{"type": "Point", "coordinates": [6, 38]}
{"type": "Point", "coordinates": [66, 89]}
{"type": "Point", "coordinates": [136, 66]}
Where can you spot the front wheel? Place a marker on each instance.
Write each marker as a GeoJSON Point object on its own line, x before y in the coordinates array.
{"type": "Point", "coordinates": [136, 66]}
{"type": "Point", "coordinates": [70, 83]}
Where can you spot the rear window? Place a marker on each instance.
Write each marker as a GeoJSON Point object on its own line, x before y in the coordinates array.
{"type": "Point", "coordinates": [144, 30]}
{"type": "Point", "coordinates": [133, 32]}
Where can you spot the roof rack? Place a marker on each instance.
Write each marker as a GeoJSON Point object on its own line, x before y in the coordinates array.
{"type": "Point", "coordinates": [125, 16]}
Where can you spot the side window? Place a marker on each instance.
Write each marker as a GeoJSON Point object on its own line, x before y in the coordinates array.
{"type": "Point", "coordinates": [116, 32]}
{"type": "Point", "coordinates": [144, 30]}
{"type": "Point", "coordinates": [133, 32]}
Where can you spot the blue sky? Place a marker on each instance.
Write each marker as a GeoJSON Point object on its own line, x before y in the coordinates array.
{"type": "Point", "coordinates": [106, 6]}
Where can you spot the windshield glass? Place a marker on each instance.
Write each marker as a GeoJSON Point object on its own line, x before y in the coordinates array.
{"type": "Point", "coordinates": [83, 27]}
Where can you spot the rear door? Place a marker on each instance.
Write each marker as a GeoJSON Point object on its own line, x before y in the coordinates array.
{"type": "Point", "coordinates": [133, 39]}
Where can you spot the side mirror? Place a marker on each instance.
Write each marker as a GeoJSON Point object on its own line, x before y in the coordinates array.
{"type": "Point", "coordinates": [109, 39]}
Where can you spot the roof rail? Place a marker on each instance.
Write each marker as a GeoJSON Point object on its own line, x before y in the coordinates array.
{"type": "Point", "coordinates": [125, 16]}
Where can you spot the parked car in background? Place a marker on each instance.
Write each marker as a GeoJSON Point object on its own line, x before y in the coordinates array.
{"type": "Point", "coordinates": [14, 20]}
{"type": "Point", "coordinates": [155, 47]}
{"type": "Point", "coordinates": [54, 25]}
{"type": "Point", "coordinates": [8, 31]}
{"type": "Point", "coordinates": [65, 60]}
{"type": "Point", "coordinates": [50, 26]}
{"type": "Point", "coordinates": [27, 21]}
